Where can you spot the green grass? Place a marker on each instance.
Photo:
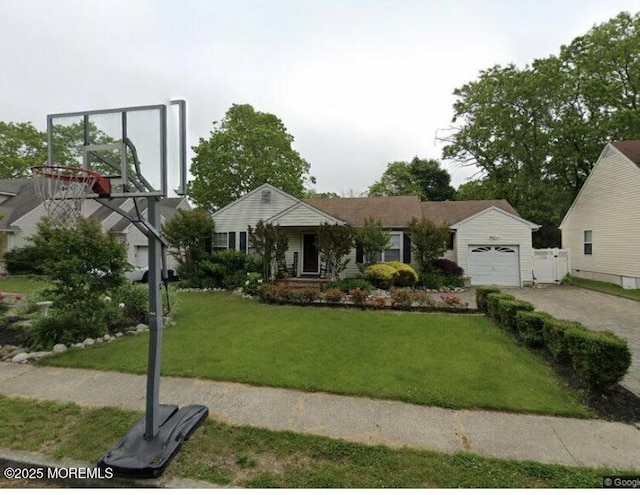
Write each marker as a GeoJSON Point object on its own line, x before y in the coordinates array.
{"type": "Point", "coordinates": [23, 284]}
{"type": "Point", "coordinates": [457, 361]}
{"type": "Point", "coordinates": [252, 457]}
{"type": "Point", "coordinates": [606, 287]}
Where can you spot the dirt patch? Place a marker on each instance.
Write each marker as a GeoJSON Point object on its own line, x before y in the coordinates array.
{"type": "Point", "coordinates": [10, 335]}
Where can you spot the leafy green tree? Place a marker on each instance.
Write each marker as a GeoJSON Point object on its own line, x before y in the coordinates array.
{"type": "Point", "coordinates": [84, 264]}
{"type": "Point", "coordinates": [245, 150]}
{"type": "Point", "coordinates": [312, 193]}
{"type": "Point", "coordinates": [372, 239]}
{"type": "Point", "coordinates": [536, 132]}
{"type": "Point", "coordinates": [190, 235]}
{"type": "Point", "coordinates": [420, 177]}
{"type": "Point", "coordinates": [270, 243]}
{"type": "Point", "coordinates": [334, 244]}
{"type": "Point", "coordinates": [21, 146]}
{"type": "Point", "coordinates": [429, 242]}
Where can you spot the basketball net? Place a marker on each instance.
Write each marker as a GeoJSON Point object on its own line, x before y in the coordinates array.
{"type": "Point", "coordinates": [63, 191]}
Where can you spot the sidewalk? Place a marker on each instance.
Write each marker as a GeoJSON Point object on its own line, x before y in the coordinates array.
{"type": "Point", "coordinates": [572, 442]}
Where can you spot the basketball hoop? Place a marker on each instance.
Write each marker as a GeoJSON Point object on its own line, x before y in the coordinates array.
{"type": "Point", "coordinates": [63, 190]}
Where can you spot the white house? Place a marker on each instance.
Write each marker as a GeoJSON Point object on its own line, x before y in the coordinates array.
{"type": "Point", "coordinates": [489, 240]}
{"type": "Point", "coordinates": [21, 210]}
{"type": "Point", "coordinates": [602, 226]}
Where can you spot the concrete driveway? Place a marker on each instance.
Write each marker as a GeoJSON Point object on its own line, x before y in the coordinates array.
{"type": "Point", "coordinates": [596, 311]}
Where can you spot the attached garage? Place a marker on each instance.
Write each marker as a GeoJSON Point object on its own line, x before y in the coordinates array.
{"type": "Point", "coordinates": [494, 265]}
{"type": "Point", "coordinates": [493, 247]}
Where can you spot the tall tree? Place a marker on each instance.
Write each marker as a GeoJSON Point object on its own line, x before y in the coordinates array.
{"type": "Point", "coordinates": [245, 150]}
{"type": "Point", "coordinates": [420, 177]}
{"type": "Point", "coordinates": [21, 146]}
{"type": "Point", "coordinates": [536, 132]}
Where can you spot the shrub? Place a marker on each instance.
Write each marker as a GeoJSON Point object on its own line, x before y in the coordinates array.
{"type": "Point", "coordinates": [507, 310]}
{"type": "Point", "coordinates": [600, 359]}
{"type": "Point", "coordinates": [554, 332]}
{"type": "Point", "coordinates": [493, 299]}
{"type": "Point", "coordinates": [333, 295]}
{"type": "Point", "coordinates": [359, 296]}
{"type": "Point", "coordinates": [348, 284]}
{"type": "Point", "coordinates": [267, 293]}
{"type": "Point", "coordinates": [252, 283]}
{"type": "Point", "coordinates": [401, 298]}
{"type": "Point", "coordinates": [380, 275]}
{"type": "Point", "coordinates": [481, 296]}
{"type": "Point", "coordinates": [24, 260]}
{"type": "Point", "coordinates": [447, 267]}
{"type": "Point", "coordinates": [309, 294]}
{"type": "Point", "coordinates": [431, 280]}
{"type": "Point", "coordinates": [422, 298]}
{"type": "Point", "coordinates": [530, 325]}
{"type": "Point", "coordinates": [406, 276]}
{"type": "Point", "coordinates": [135, 298]}
{"type": "Point", "coordinates": [377, 301]}
{"type": "Point", "coordinates": [58, 328]}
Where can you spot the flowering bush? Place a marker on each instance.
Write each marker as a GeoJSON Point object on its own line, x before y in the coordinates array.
{"type": "Point", "coordinates": [452, 301]}
{"type": "Point", "coordinates": [401, 298]}
{"type": "Point", "coordinates": [359, 296]}
{"type": "Point", "coordinates": [333, 295]}
{"type": "Point", "coordinates": [252, 282]}
{"type": "Point", "coordinates": [309, 294]}
{"type": "Point", "coordinates": [422, 298]}
{"type": "Point", "coordinates": [377, 301]}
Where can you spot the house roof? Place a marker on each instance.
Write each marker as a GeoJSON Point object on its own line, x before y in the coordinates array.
{"type": "Point", "coordinates": [168, 208]}
{"type": "Point", "coordinates": [398, 211]}
{"type": "Point", "coordinates": [22, 200]}
{"type": "Point", "coordinates": [630, 149]}
{"type": "Point", "coordinates": [392, 211]}
{"type": "Point", "coordinates": [451, 212]}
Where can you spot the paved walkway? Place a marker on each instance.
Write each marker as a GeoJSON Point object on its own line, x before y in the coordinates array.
{"type": "Point", "coordinates": [596, 311]}
{"type": "Point", "coordinates": [545, 439]}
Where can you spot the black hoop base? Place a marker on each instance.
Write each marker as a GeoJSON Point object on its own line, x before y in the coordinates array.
{"type": "Point", "coordinates": [136, 457]}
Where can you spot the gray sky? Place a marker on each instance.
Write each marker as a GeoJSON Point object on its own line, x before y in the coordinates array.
{"type": "Point", "coordinates": [358, 83]}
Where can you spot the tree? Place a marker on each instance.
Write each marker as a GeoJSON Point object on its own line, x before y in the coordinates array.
{"type": "Point", "coordinates": [84, 264]}
{"type": "Point", "coordinates": [371, 239]}
{"type": "Point", "coordinates": [429, 242]}
{"type": "Point", "coordinates": [21, 146]}
{"type": "Point", "coordinates": [190, 235]}
{"type": "Point", "coordinates": [420, 177]}
{"type": "Point", "coordinates": [334, 243]}
{"type": "Point", "coordinates": [245, 150]}
{"type": "Point", "coordinates": [312, 193]}
{"type": "Point", "coordinates": [536, 132]}
{"type": "Point", "coordinates": [270, 243]}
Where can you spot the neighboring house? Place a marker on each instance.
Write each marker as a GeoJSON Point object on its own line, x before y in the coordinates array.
{"type": "Point", "coordinates": [602, 226]}
{"type": "Point", "coordinates": [489, 240]}
{"type": "Point", "coordinates": [21, 211]}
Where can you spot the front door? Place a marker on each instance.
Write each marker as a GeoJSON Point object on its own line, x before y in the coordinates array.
{"type": "Point", "coordinates": [310, 261]}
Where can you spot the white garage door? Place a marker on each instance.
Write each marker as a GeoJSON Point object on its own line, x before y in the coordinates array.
{"type": "Point", "coordinates": [494, 265]}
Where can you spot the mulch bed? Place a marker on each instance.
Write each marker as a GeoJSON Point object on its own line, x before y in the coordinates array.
{"type": "Point", "coordinates": [11, 336]}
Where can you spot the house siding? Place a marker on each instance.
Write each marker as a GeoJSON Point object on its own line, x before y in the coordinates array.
{"type": "Point", "coordinates": [505, 230]}
{"type": "Point", "coordinates": [250, 209]}
{"type": "Point", "coordinates": [608, 201]}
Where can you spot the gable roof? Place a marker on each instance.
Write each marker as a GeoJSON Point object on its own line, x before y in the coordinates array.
{"type": "Point", "coordinates": [630, 149]}
{"type": "Point", "coordinates": [531, 225]}
{"type": "Point", "coordinates": [312, 214]}
{"type": "Point", "coordinates": [392, 211]}
{"type": "Point", "coordinates": [452, 212]}
{"type": "Point", "coordinates": [23, 200]}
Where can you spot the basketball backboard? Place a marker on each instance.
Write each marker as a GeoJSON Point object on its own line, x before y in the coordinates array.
{"type": "Point", "coordinates": [141, 149]}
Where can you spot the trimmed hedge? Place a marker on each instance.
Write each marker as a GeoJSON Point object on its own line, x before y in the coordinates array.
{"type": "Point", "coordinates": [530, 326]}
{"type": "Point", "coordinates": [481, 296]}
{"type": "Point", "coordinates": [599, 359]}
{"type": "Point", "coordinates": [507, 310]}
{"type": "Point", "coordinates": [493, 299]}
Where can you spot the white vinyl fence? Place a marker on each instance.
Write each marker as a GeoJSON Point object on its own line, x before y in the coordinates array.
{"type": "Point", "coordinates": [550, 265]}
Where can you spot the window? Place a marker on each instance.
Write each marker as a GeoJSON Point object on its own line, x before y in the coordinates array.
{"type": "Point", "coordinates": [450, 242]}
{"type": "Point", "coordinates": [220, 240]}
{"type": "Point", "coordinates": [588, 242]}
{"type": "Point", "coordinates": [266, 197]}
{"type": "Point", "coordinates": [394, 251]}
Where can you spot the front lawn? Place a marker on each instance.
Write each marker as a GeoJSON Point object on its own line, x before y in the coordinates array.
{"type": "Point", "coordinates": [23, 284]}
{"type": "Point", "coordinates": [253, 457]}
{"type": "Point", "coordinates": [458, 361]}
{"type": "Point", "coordinates": [606, 287]}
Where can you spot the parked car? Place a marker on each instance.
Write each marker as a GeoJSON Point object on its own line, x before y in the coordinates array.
{"type": "Point", "coordinates": [141, 274]}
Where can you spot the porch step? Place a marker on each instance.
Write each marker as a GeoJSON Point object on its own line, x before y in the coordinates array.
{"type": "Point", "coordinates": [302, 282]}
